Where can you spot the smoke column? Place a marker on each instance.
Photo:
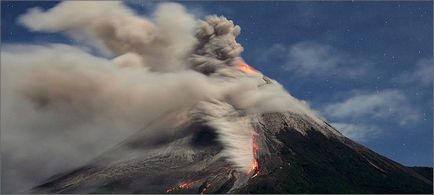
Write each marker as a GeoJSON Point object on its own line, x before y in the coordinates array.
{"type": "Point", "coordinates": [63, 106]}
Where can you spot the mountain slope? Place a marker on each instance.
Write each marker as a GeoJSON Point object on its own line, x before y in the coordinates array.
{"type": "Point", "coordinates": [296, 155]}
{"type": "Point", "coordinates": [427, 172]}
{"type": "Point", "coordinates": [328, 165]}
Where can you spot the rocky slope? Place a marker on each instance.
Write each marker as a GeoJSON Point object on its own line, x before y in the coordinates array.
{"type": "Point", "coordinates": [295, 155]}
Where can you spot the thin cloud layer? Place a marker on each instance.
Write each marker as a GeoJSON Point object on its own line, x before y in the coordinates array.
{"type": "Point", "coordinates": [421, 75]}
{"type": "Point", "coordinates": [354, 115]}
{"type": "Point", "coordinates": [309, 58]}
{"type": "Point", "coordinates": [385, 104]}
{"type": "Point", "coordinates": [358, 132]}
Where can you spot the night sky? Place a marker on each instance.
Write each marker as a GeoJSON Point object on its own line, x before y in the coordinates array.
{"type": "Point", "coordinates": [364, 66]}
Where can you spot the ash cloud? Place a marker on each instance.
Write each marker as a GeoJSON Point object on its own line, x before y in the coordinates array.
{"type": "Point", "coordinates": [62, 106]}
{"type": "Point", "coordinates": [163, 41]}
{"type": "Point", "coordinates": [217, 47]}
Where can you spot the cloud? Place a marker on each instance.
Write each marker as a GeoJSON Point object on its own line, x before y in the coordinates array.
{"type": "Point", "coordinates": [358, 115]}
{"type": "Point", "coordinates": [421, 75]}
{"type": "Point", "coordinates": [387, 104]}
{"type": "Point", "coordinates": [357, 132]}
{"type": "Point", "coordinates": [309, 58]}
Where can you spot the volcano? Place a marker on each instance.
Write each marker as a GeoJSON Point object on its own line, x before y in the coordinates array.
{"type": "Point", "coordinates": [293, 154]}
{"type": "Point", "coordinates": [208, 122]}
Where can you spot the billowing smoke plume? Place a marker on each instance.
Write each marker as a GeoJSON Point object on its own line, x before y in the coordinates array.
{"type": "Point", "coordinates": [62, 106]}
{"type": "Point", "coordinates": [217, 47]}
{"type": "Point", "coordinates": [162, 43]}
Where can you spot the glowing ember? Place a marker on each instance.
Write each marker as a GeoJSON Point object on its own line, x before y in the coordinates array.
{"type": "Point", "coordinates": [255, 164]}
{"type": "Point", "coordinates": [182, 186]}
{"type": "Point", "coordinates": [246, 68]}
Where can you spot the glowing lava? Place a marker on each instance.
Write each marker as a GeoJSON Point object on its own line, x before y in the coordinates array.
{"type": "Point", "coordinates": [254, 170]}
{"type": "Point", "coordinates": [182, 186]}
{"type": "Point", "coordinates": [246, 68]}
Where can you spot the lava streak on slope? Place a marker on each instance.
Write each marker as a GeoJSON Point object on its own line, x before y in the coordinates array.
{"type": "Point", "coordinates": [254, 170]}
{"type": "Point", "coordinates": [182, 186]}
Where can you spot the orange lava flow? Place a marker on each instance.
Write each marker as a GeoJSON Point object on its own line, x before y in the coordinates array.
{"type": "Point", "coordinates": [184, 186]}
{"type": "Point", "coordinates": [246, 68]}
{"type": "Point", "coordinates": [255, 164]}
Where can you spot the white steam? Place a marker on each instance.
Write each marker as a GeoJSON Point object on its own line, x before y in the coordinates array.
{"type": "Point", "coordinates": [234, 131]}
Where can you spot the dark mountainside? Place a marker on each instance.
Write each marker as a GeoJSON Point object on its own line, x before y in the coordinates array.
{"type": "Point", "coordinates": [427, 172]}
{"type": "Point", "coordinates": [301, 157]}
